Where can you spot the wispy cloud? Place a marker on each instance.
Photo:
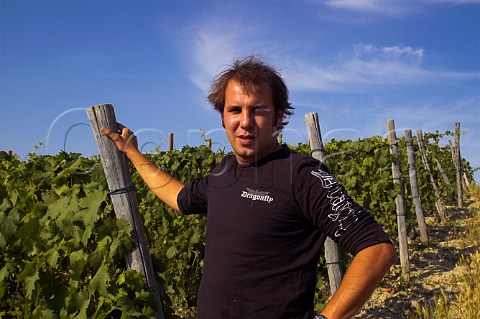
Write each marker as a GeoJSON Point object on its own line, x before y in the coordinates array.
{"type": "Point", "coordinates": [388, 52]}
{"type": "Point", "coordinates": [368, 68]}
{"type": "Point", "coordinates": [455, 2]}
{"type": "Point", "coordinates": [446, 114]}
{"type": "Point", "coordinates": [388, 7]}
{"type": "Point", "coordinates": [385, 7]}
{"type": "Point", "coordinates": [215, 46]}
{"type": "Point", "coordinates": [211, 48]}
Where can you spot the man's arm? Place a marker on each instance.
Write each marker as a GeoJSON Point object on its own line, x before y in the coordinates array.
{"type": "Point", "coordinates": [163, 185]}
{"type": "Point", "coordinates": [362, 277]}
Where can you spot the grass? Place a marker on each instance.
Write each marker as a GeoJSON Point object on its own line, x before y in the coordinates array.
{"type": "Point", "coordinates": [466, 303]}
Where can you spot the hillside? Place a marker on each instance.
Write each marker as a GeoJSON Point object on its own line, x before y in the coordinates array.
{"type": "Point", "coordinates": [445, 274]}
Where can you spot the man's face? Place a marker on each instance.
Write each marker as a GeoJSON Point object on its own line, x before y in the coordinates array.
{"type": "Point", "coordinates": [250, 122]}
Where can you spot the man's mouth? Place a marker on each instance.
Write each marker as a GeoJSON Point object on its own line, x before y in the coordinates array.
{"type": "Point", "coordinates": [246, 139]}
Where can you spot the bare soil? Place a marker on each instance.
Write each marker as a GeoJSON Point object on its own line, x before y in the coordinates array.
{"type": "Point", "coordinates": [432, 269]}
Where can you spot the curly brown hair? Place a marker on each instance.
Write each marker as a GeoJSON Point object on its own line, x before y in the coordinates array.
{"type": "Point", "coordinates": [252, 73]}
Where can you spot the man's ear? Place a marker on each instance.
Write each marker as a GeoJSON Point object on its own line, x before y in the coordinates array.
{"type": "Point", "coordinates": [223, 122]}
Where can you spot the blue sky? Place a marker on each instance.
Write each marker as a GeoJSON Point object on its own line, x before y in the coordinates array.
{"type": "Point", "coordinates": [355, 62]}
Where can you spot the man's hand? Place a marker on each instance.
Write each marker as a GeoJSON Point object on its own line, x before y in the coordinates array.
{"type": "Point", "coordinates": [126, 141]}
{"type": "Point", "coordinates": [161, 183]}
{"type": "Point", "coordinates": [364, 274]}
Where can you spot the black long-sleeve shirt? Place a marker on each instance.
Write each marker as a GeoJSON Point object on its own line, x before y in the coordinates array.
{"type": "Point", "coordinates": [266, 225]}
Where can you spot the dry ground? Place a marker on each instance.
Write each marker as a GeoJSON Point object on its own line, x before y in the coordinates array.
{"type": "Point", "coordinates": [432, 268]}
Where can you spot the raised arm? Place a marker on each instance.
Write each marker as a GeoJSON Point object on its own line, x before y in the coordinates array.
{"type": "Point", "coordinates": [163, 185]}
{"type": "Point", "coordinates": [363, 276]}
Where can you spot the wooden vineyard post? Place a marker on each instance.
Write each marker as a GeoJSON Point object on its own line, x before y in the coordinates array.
{"type": "Point", "coordinates": [124, 200]}
{"type": "Point", "coordinates": [452, 150]}
{"type": "Point", "coordinates": [332, 255]}
{"type": "Point", "coordinates": [442, 172]}
{"type": "Point", "coordinates": [438, 202]}
{"type": "Point", "coordinates": [401, 224]}
{"type": "Point", "coordinates": [464, 180]}
{"type": "Point", "coordinates": [170, 142]}
{"type": "Point", "coordinates": [417, 201]}
{"type": "Point", "coordinates": [458, 160]}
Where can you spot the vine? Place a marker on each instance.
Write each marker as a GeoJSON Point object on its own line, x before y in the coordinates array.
{"type": "Point", "coordinates": [62, 247]}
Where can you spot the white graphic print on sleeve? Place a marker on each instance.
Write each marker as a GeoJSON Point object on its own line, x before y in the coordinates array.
{"type": "Point", "coordinates": [343, 213]}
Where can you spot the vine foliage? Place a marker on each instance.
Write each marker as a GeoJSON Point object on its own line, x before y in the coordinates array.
{"type": "Point", "coordinates": [62, 247]}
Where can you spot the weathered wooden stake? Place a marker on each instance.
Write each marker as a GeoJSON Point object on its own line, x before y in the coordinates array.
{"type": "Point", "coordinates": [397, 179]}
{"type": "Point", "coordinates": [442, 172]}
{"type": "Point", "coordinates": [124, 200]}
{"type": "Point", "coordinates": [454, 159]}
{"type": "Point", "coordinates": [466, 181]}
{"type": "Point", "coordinates": [417, 201]}
{"type": "Point", "coordinates": [452, 150]}
{"type": "Point", "coordinates": [423, 152]}
{"type": "Point", "coordinates": [332, 255]}
{"type": "Point", "coordinates": [458, 160]}
{"type": "Point", "coordinates": [170, 142]}
{"type": "Point", "coordinates": [280, 138]}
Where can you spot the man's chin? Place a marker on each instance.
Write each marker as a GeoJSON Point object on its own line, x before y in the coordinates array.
{"type": "Point", "coordinates": [246, 155]}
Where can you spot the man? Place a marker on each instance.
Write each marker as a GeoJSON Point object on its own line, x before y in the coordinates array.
{"type": "Point", "coordinates": [268, 210]}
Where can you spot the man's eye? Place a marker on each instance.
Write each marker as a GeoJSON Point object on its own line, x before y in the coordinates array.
{"type": "Point", "coordinates": [261, 109]}
{"type": "Point", "coordinates": [233, 110]}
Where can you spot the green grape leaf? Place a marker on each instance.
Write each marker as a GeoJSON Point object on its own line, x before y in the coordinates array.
{"type": "Point", "coordinates": [56, 208]}
{"type": "Point", "coordinates": [100, 281]}
{"type": "Point", "coordinates": [30, 284]}
{"type": "Point", "coordinates": [52, 257]}
{"type": "Point", "coordinates": [8, 223]}
{"type": "Point", "coordinates": [5, 271]}
{"type": "Point", "coordinates": [29, 270]}
{"type": "Point", "coordinates": [6, 204]}
{"type": "Point", "coordinates": [3, 241]}
{"type": "Point", "coordinates": [77, 262]}
{"type": "Point", "coordinates": [171, 252]}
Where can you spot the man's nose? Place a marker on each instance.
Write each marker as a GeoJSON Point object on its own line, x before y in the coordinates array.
{"type": "Point", "coordinates": [247, 119]}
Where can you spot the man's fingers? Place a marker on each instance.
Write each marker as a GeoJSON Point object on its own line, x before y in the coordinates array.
{"type": "Point", "coordinates": [108, 133]}
{"type": "Point", "coordinates": [105, 131]}
{"type": "Point", "coordinates": [124, 131]}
